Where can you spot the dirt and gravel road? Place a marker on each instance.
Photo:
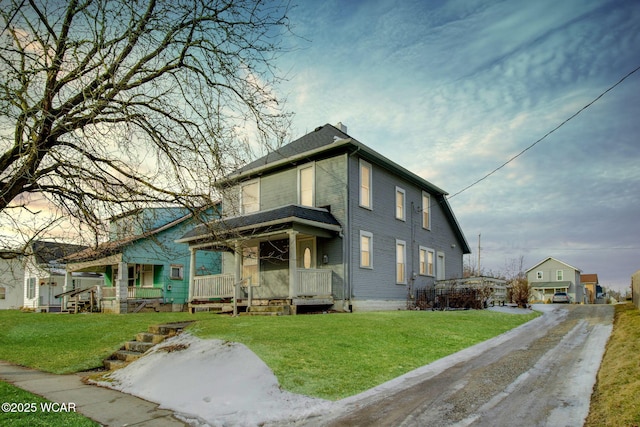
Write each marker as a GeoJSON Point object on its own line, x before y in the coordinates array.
{"type": "Point", "coordinates": [541, 374]}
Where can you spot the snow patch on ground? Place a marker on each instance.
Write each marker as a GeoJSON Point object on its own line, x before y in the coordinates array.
{"type": "Point", "coordinates": [212, 382]}
{"type": "Point", "coordinates": [220, 383]}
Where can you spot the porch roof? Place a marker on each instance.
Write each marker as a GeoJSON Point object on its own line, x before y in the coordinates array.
{"type": "Point", "coordinates": [546, 285]}
{"type": "Point", "coordinates": [259, 222]}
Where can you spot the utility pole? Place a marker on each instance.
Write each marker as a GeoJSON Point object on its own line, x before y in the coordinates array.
{"type": "Point", "coordinates": [479, 270]}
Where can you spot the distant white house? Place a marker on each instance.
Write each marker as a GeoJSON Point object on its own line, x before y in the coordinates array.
{"type": "Point", "coordinates": [44, 276]}
{"type": "Point", "coordinates": [550, 276]}
{"type": "Point", "coordinates": [11, 283]}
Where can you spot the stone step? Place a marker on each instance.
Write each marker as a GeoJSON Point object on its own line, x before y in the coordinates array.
{"type": "Point", "coordinates": [150, 337]}
{"type": "Point", "coordinates": [127, 356]}
{"type": "Point", "coordinates": [169, 329]}
{"type": "Point", "coordinates": [111, 364]}
{"type": "Point", "coordinates": [138, 346]}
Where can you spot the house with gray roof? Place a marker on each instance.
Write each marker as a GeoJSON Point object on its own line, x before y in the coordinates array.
{"type": "Point", "coordinates": [552, 275]}
{"type": "Point", "coordinates": [326, 222]}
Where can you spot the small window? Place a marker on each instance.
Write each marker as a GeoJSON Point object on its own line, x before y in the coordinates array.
{"type": "Point", "coordinates": [3, 292]}
{"type": "Point", "coordinates": [426, 210]}
{"type": "Point", "coordinates": [365, 184]}
{"type": "Point", "coordinates": [559, 275]}
{"type": "Point", "coordinates": [400, 202]}
{"type": "Point", "coordinates": [366, 249]}
{"type": "Point", "coordinates": [176, 272]}
{"type": "Point", "coordinates": [250, 197]}
{"type": "Point", "coordinates": [401, 263]}
{"type": "Point", "coordinates": [539, 275]}
{"type": "Point", "coordinates": [426, 261]}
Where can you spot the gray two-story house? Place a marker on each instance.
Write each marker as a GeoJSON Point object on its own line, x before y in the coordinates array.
{"type": "Point", "coordinates": [327, 221]}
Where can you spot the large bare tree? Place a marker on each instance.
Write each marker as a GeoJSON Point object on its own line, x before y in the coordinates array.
{"type": "Point", "coordinates": [108, 105]}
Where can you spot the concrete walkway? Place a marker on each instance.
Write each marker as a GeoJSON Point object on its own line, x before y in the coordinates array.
{"type": "Point", "coordinates": [105, 406]}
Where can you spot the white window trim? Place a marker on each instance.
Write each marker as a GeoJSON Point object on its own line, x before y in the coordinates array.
{"type": "Point", "coordinates": [180, 268]}
{"type": "Point", "coordinates": [427, 251]}
{"type": "Point", "coordinates": [404, 262]}
{"type": "Point", "coordinates": [559, 275]}
{"type": "Point", "coordinates": [311, 166]}
{"type": "Point", "coordinates": [370, 236]}
{"type": "Point", "coordinates": [242, 185]}
{"type": "Point", "coordinates": [367, 165]}
{"type": "Point", "coordinates": [539, 275]}
{"type": "Point", "coordinates": [428, 209]}
{"type": "Point", "coordinates": [404, 203]}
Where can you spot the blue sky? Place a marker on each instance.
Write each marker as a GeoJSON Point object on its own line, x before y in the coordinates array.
{"type": "Point", "coordinates": [453, 89]}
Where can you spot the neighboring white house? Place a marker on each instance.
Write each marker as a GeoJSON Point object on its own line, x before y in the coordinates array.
{"type": "Point", "coordinates": [11, 283]}
{"type": "Point", "coordinates": [44, 277]}
{"type": "Point", "coordinates": [550, 276]}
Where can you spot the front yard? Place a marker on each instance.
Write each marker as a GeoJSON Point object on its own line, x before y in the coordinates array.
{"type": "Point", "coordinates": [326, 355]}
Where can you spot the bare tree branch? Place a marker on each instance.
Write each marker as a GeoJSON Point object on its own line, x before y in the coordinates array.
{"type": "Point", "coordinates": [106, 106]}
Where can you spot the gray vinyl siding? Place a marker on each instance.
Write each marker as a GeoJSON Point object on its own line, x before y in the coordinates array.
{"type": "Point", "coordinates": [281, 189]}
{"type": "Point", "coordinates": [379, 282]}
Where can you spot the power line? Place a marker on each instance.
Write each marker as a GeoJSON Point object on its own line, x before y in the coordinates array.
{"type": "Point", "coordinates": [546, 135]}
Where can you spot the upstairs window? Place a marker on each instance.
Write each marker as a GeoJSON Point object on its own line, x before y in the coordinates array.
{"type": "Point", "coordinates": [306, 185]}
{"type": "Point", "coordinates": [400, 202]}
{"type": "Point", "coordinates": [250, 197]}
{"type": "Point", "coordinates": [365, 184]}
{"type": "Point", "coordinates": [539, 275]}
{"type": "Point", "coordinates": [426, 210]}
{"type": "Point", "coordinates": [559, 274]}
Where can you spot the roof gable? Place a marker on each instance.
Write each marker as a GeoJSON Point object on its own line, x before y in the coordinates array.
{"type": "Point", "coordinates": [552, 259]}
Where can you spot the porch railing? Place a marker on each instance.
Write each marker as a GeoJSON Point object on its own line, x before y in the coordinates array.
{"type": "Point", "coordinates": [216, 286]}
{"type": "Point", "coordinates": [144, 293]}
{"type": "Point", "coordinates": [313, 282]}
{"type": "Point", "coordinates": [109, 292]}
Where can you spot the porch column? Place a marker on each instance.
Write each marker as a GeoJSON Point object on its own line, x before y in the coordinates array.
{"type": "Point", "coordinates": [66, 287]}
{"type": "Point", "coordinates": [122, 282]}
{"type": "Point", "coordinates": [238, 275]}
{"type": "Point", "coordinates": [192, 273]}
{"type": "Point", "coordinates": [293, 263]}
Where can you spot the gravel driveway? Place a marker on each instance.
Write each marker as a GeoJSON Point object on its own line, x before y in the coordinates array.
{"type": "Point", "coordinates": [540, 374]}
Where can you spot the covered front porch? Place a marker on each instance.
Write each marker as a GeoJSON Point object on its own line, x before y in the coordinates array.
{"type": "Point", "coordinates": [285, 264]}
{"type": "Point", "coordinates": [127, 287]}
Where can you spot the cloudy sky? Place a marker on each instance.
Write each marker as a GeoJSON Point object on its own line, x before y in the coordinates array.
{"type": "Point", "coordinates": [454, 89]}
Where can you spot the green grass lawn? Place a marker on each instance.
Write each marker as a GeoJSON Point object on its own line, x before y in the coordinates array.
{"type": "Point", "coordinates": [32, 414]}
{"type": "Point", "coordinates": [330, 356]}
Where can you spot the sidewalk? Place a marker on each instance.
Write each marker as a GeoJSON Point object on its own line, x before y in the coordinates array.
{"type": "Point", "coordinates": [105, 406]}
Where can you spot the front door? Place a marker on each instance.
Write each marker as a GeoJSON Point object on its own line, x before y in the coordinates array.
{"type": "Point", "coordinates": [306, 252]}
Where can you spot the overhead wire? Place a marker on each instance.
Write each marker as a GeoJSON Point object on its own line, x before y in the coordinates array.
{"type": "Point", "coordinates": [596, 99]}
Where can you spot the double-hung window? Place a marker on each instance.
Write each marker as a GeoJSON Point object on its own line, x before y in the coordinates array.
{"type": "Point", "coordinates": [559, 275]}
{"type": "Point", "coordinates": [400, 204]}
{"type": "Point", "coordinates": [306, 185]}
{"type": "Point", "coordinates": [31, 287]}
{"type": "Point", "coordinates": [426, 210]}
{"type": "Point", "coordinates": [365, 184]}
{"type": "Point", "coordinates": [250, 197]}
{"type": "Point", "coordinates": [401, 262]}
{"type": "Point", "coordinates": [426, 261]}
{"type": "Point", "coordinates": [366, 249]}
